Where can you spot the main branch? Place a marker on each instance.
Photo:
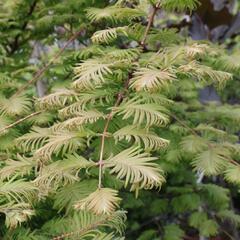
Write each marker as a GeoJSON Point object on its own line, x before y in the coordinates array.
{"type": "Point", "coordinates": [120, 97]}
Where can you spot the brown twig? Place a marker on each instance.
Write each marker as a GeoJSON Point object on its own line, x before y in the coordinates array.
{"type": "Point", "coordinates": [150, 23]}
{"type": "Point", "coordinates": [184, 124]}
{"type": "Point", "coordinates": [19, 121]}
{"type": "Point", "coordinates": [40, 72]}
{"type": "Point", "coordinates": [104, 134]}
{"type": "Point", "coordinates": [120, 97]}
{"type": "Point", "coordinates": [15, 44]}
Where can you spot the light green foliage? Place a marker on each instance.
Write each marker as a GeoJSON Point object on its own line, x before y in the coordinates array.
{"type": "Point", "coordinates": [173, 232]}
{"type": "Point", "coordinates": [232, 173]}
{"type": "Point", "coordinates": [130, 120]}
{"type": "Point", "coordinates": [151, 114]}
{"type": "Point", "coordinates": [108, 35]}
{"type": "Point", "coordinates": [211, 161]}
{"type": "Point", "coordinates": [199, 220]}
{"type": "Point", "coordinates": [186, 202]}
{"type": "Point", "coordinates": [65, 198]}
{"type": "Point", "coordinates": [115, 13]}
{"type": "Point", "coordinates": [136, 167]}
{"type": "Point", "coordinates": [209, 228]}
{"type": "Point", "coordinates": [149, 139]}
{"type": "Point", "coordinates": [229, 215]}
{"type": "Point", "coordinates": [84, 224]}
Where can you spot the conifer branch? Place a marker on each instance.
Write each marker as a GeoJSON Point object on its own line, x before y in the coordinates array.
{"type": "Point", "coordinates": [120, 97]}
{"type": "Point", "coordinates": [82, 231]}
{"type": "Point", "coordinates": [109, 118]}
{"type": "Point", "coordinates": [19, 121]}
{"type": "Point", "coordinates": [112, 80]}
{"type": "Point", "coordinates": [40, 72]}
{"type": "Point", "coordinates": [184, 124]}
{"type": "Point", "coordinates": [196, 134]}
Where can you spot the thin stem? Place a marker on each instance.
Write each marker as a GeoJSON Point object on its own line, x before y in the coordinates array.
{"type": "Point", "coordinates": [19, 121]}
{"type": "Point", "coordinates": [184, 124]}
{"type": "Point", "coordinates": [150, 23]}
{"type": "Point", "coordinates": [226, 233]}
{"type": "Point", "coordinates": [109, 118]}
{"type": "Point", "coordinates": [100, 163]}
{"type": "Point", "coordinates": [40, 72]}
{"type": "Point", "coordinates": [120, 97]}
{"type": "Point", "coordinates": [15, 44]}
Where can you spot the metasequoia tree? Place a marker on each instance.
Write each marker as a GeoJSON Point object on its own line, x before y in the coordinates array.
{"type": "Point", "coordinates": [129, 119]}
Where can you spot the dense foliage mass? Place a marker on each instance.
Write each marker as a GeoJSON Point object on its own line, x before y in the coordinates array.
{"type": "Point", "coordinates": [103, 134]}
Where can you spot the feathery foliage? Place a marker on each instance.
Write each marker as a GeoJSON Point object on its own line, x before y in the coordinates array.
{"type": "Point", "coordinates": [129, 120]}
